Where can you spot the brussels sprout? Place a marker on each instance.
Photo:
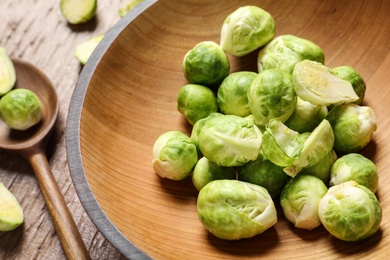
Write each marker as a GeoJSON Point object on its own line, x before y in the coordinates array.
{"type": "Point", "coordinates": [355, 167]}
{"type": "Point", "coordinates": [319, 85]}
{"type": "Point", "coordinates": [20, 109]}
{"type": "Point", "coordinates": [11, 213]}
{"type": "Point", "coordinates": [233, 210]}
{"type": "Point", "coordinates": [353, 127]}
{"type": "Point", "coordinates": [174, 155]}
{"type": "Point", "coordinates": [350, 212]}
{"type": "Point", "coordinates": [232, 95]}
{"type": "Point", "coordinates": [206, 171]}
{"type": "Point", "coordinates": [271, 95]}
{"type": "Point", "coordinates": [84, 50]}
{"type": "Point", "coordinates": [350, 74]}
{"type": "Point", "coordinates": [306, 116]}
{"type": "Point", "coordinates": [230, 140]}
{"type": "Point", "coordinates": [300, 199]}
{"type": "Point", "coordinates": [196, 102]}
{"type": "Point", "coordinates": [128, 6]}
{"type": "Point", "coordinates": [321, 169]}
{"type": "Point", "coordinates": [77, 12]}
{"type": "Point", "coordinates": [7, 73]}
{"type": "Point", "coordinates": [285, 51]}
{"type": "Point", "coordinates": [246, 29]}
{"type": "Point", "coordinates": [264, 173]}
{"type": "Point", "coordinates": [206, 64]}
{"type": "Point", "coordinates": [197, 128]}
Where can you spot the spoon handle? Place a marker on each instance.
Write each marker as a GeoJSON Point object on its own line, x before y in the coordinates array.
{"type": "Point", "coordinates": [71, 240]}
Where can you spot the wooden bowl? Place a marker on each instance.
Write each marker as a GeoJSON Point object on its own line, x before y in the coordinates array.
{"type": "Point", "coordinates": [126, 97]}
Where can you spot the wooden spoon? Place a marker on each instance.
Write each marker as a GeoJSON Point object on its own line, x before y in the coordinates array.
{"type": "Point", "coordinates": [31, 144]}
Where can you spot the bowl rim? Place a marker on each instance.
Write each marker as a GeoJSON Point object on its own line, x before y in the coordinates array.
{"type": "Point", "coordinates": [75, 163]}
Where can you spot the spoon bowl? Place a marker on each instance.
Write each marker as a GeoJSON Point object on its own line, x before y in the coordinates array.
{"type": "Point", "coordinates": [31, 144]}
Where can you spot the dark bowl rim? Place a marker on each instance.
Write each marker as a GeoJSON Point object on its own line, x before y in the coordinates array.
{"type": "Point", "coordinates": [75, 163]}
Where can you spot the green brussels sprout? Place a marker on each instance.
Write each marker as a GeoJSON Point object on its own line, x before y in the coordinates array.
{"type": "Point", "coordinates": [246, 29]}
{"type": "Point", "coordinates": [300, 199]}
{"type": "Point", "coordinates": [20, 109]}
{"type": "Point", "coordinates": [306, 116]}
{"type": "Point", "coordinates": [353, 126]}
{"type": "Point", "coordinates": [197, 128]}
{"type": "Point", "coordinates": [76, 12]}
{"type": "Point", "coordinates": [206, 171]}
{"type": "Point", "coordinates": [84, 50]}
{"type": "Point", "coordinates": [174, 155]}
{"type": "Point", "coordinates": [233, 210]}
{"type": "Point", "coordinates": [271, 95]}
{"type": "Point", "coordinates": [264, 173]}
{"type": "Point", "coordinates": [230, 140]}
{"type": "Point", "coordinates": [285, 51]}
{"type": "Point", "coordinates": [350, 74]}
{"type": "Point", "coordinates": [128, 6]}
{"type": "Point", "coordinates": [232, 95]}
{"type": "Point", "coordinates": [350, 212]}
{"type": "Point", "coordinates": [318, 85]}
{"type": "Point", "coordinates": [7, 73]}
{"type": "Point", "coordinates": [11, 213]}
{"type": "Point", "coordinates": [322, 169]}
{"type": "Point", "coordinates": [206, 64]}
{"type": "Point", "coordinates": [196, 102]}
{"type": "Point", "coordinates": [355, 167]}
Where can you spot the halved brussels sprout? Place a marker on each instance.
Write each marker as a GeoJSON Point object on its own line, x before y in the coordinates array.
{"type": "Point", "coordinates": [206, 171]}
{"type": "Point", "coordinates": [264, 173]}
{"type": "Point", "coordinates": [77, 12]}
{"type": "Point", "coordinates": [196, 102]}
{"type": "Point", "coordinates": [322, 169]}
{"type": "Point", "coordinates": [271, 95]}
{"type": "Point", "coordinates": [353, 126]}
{"type": "Point", "coordinates": [230, 140]}
{"type": "Point", "coordinates": [84, 50]}
{"type": "Point", "coordinates": [318, 85]}
{"type": "Point", "coordinates": [246, 29]}
{"type": "Point", "coordinates": [11, 213]}
{"type": "Point", "coordinates": [350, 74]}
{"type": "Point", "coordinates": [233, 210]}
{"type": "Point", "coordinates": [306, 116]}
{"type": "Point", "coordinates": [300, 199]}
{"type": "Point", "coordinates": [285, 51]}
{"type": "Point", "coordinates": [7, 73]}
{"type": "Point", "coordinates": [232, 95]}
{"type": "Point", "coordinates": [355, 167]}
{"type": "Point", "coordinates": [206, 64]}
{"type": "Point", "coordinates": [350, 212]}
{"type": "Point", "coordinates": [174, 155]}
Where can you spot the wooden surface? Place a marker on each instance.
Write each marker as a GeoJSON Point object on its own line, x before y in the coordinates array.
{"type": "Point", "coordinates": [131, 100]}
{"type": "Point", "coordinates": [35, 31]}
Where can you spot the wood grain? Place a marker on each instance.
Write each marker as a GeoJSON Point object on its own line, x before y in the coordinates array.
{"type": "Point", "coordinates": [130, 100]}
{"type": "Point", "coordinates": [35, 31]}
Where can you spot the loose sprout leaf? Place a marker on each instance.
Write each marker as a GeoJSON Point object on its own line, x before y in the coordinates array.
{"type": "Point", "coordinates": [85, 49]}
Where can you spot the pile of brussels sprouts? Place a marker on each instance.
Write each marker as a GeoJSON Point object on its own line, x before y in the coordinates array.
{"type": "Point", "coordinates": [289, 133]}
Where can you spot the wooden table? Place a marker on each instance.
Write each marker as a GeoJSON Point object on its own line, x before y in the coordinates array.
{"type": "Point", "coordinates": [36, 31]}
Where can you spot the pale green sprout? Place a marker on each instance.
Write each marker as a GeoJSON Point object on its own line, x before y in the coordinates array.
{"type": "Point", "coordinates": [128, 6]}
{"type": "Point", "coordinates": [246, 29]}
{"type": "Point", "coordinates": [84, 50]}
{"type": "Point", "coordinates": [271, 95]}
{"type": "Point", "coordinates": [355, 167]}
{"type": "Point", "coordinates": [77, 12]}
{"type": "Point", "coordinates": [206, 171]}
{"type": "Point", "coordinates": [322, 169]}
{"type": "Point", "coordinates": [350, 74]}
{"type": "Point", "coordinates": [353, 127]}
{"type": "Point", "coordinates": [233, 210]}
{"type": "Point", "coordinates": [20, 109]}
{"type": "Point", "coordinates": [294, 151]}
{"type": "Point", "coordinates": [350, 212]}
{"type": "Point", "coordinates": [306, 116]}
{"type": "Point", "coordinates": [206, 64]}
{"type": "Point", "coordinates": [232, 95]}
{"type": "Point", "coordinates": [285, 51]}
{"type": "Point", "coordinates": [196, 102]}
{"type": "Point", "coordinates": [174, 155]}
{"type": "Point", "coordinates": [264, 173]}
{"type": "Point", "coordinates": [7, 73]}
{"type": "Point", "coordinates": [11, 213]}
{"type": "Point", "coordinates": [230, 140]}
{"type": "Point", "coordinates": [300, 199]}
{"type": "Point", "coordinates": [317, 84]}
